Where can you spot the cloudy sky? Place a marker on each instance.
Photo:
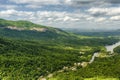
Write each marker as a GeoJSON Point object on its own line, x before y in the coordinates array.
{"type": "Point", "coordinates": [83, 14]}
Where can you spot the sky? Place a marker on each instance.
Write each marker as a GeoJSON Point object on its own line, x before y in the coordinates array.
{"type": "Point", "coordinates": [80, 14]}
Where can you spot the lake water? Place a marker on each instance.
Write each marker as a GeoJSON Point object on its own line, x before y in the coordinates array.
{"type": "Point", "coordinates": [93, 57]}
{"type": "Point", "coordinates": [108, 48]}
{"type": "Point", "coordinates": [111, 47]}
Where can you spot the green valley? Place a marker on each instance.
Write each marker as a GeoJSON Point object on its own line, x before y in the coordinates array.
{"type": "Point", "coordinates": [30, 51]}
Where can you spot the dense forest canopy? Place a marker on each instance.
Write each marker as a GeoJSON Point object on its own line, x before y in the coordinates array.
{"type": "Point", "coordinates": [28, 54]}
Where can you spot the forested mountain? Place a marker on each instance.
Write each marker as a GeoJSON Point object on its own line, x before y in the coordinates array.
{"type": "Point", "coordinates": [100, 69]}
{"type": "Point", "coordinates": [30, 51]}
{"type": "Point", "coordinates": [97, 33]}
{"type": "Point", "coordinates": [114, 33]}
{"type": "Point", "coordinates": [28, 30]}
{"type": "Point", "coordinates": [117, 49]}
{"type": "Point", "coordinates": [28, 60]}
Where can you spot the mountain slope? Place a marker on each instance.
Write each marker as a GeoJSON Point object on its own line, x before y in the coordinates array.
{"type": "Point", "coordinates": [26, 29]}
{"type": "Point", "coordinates": [96, 33]}
{"type": "Point", "coordinates": [22, 59]}
{"type": "Point", "coordinates": [29, 31]}
{"type": "Point", "coordinates": [100, 69]}
{"type": "Point", "coordinates": [29, 60]}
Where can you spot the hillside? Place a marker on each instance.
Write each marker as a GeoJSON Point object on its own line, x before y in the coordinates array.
{"type": "Point", "coordinates": [29, 60]}
{"type": "Point", "coordinates": [29, 30]}
{"type": "Point", "coordinates": [114, 33]}
{"type": "Point", "coordinates": [103, 68]}
{"type": "Point", "coordinates": [100, 69]}
{"type": "Point", "coordinates": [30, 51]}
{"type": "Point", "coordinates": [96, 33]}
{"type": "Point", "coordinates": [26, 30]}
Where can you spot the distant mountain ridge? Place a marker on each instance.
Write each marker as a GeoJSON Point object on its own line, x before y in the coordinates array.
{"type": "Point", "coordinates": [98, 33]}
{"type": "Point", "coordinates": [23, 25]}
{"type": "Point", "coordinates": [28, 30]}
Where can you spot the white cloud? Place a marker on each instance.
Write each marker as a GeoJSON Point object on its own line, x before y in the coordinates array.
{"type": "Point", "coordinates": [5, 6]}
{"type": "Point", "coordinates": [58, 16]}
{"type": "Point", "coordinates": [55, 18]}
{"type": "Point", "coordinates": [67, 18]}
{"type": "Point", "coordinates": [115, 18]}
{"type": "Point", "coordinates": [78, 1]}
{"type": "Point", "coordinates": [36, 2]}
{"type": "Point", "coordinates": [113, 1]}
{"type": "Point", "coordinates": [89, 18]}
{"type": "Point", "coordinates": [101, 19]}
{"type": "Point", "coordinates": [105, 11]}
{"type": "Point", "coordinates": [91, 3]}
{"type": "Point", "coordinates": [16, 14]}
{"type": "Point", "coordinates": [107, 14]}
{"type": "Point", "coordinates": [7, 13]}
{"type": "Point", "coordinates": [43, 17]}
{"type": "Point", "coordinates": [65, 1]}
{"type": "Point", "coordinates": [33, 6]}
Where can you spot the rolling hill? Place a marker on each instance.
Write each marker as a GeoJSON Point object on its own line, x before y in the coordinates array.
{"type": "Point", "coordinates": [29, 51]}
{"type": "Point", "coordinates": [29, 30]}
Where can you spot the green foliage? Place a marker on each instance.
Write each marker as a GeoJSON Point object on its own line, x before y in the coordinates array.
{"type": "Point", "coordinates": [28, 54]}
{"type": "Point", "coordinates": [117, 49]}
{"type": "Point", "coordinates": [21, 24]}
{"type": "Point", "coordinates": [51, 35]}
{"type": "Point", "coordinates": [26, 60]}
{"type": "Point", "coordinates": [25, 30]}
{"type": "Point", "coordinates": [108, 68]}
{"type": "Point", "coordinates": [112, 33]}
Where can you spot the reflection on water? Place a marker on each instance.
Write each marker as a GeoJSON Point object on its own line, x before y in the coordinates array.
{"type": "Point", "coordinates": [111, 47]}
{"type": "Point", "coordinates": [93, 57]}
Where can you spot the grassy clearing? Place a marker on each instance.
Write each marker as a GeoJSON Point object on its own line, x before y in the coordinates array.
{"type": "Point", "coordinates": [101, 78]}
{"type": "Point", "coordinates": [95, 78]}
